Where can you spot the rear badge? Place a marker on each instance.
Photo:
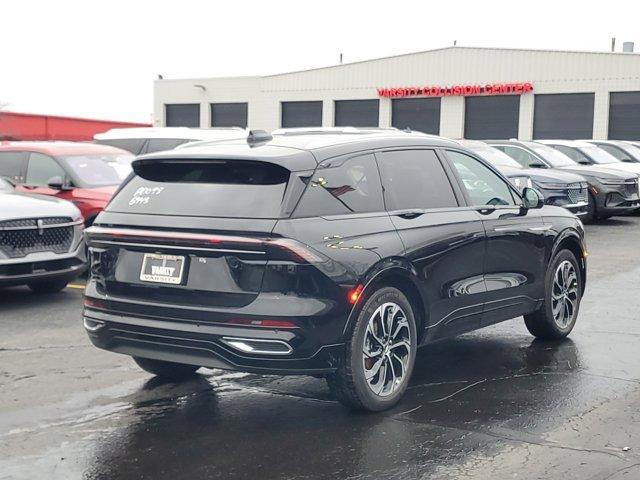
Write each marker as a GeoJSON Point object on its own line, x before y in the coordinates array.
{"type": "Point", "coordinates": [158, 268]}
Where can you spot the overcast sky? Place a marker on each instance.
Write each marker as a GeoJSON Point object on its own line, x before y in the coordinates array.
{"type": "Point", "coordinates": [99, 59]}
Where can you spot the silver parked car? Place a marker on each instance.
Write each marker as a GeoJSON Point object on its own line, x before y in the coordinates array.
{"type": "Point", "coordinates": [41, 242]}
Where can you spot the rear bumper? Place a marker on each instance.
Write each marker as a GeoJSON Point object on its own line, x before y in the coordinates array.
{"type": "Point", "coordinates": [207, 345]}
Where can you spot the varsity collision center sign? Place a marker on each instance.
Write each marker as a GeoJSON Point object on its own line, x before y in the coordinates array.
{"type": "Point", "coordinates": [457, 90]}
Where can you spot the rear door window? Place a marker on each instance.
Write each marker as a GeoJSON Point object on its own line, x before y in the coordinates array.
{"type": "Point", "coordinates": [218, 188]}
{"type": "Point", "coordinates": [41, 169]}
{"type": "Point", "coordinates": [352, 186]}
{"type": "Point", "coordinates": [414, 179]}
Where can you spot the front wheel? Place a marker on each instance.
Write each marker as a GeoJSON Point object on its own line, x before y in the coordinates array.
{"type": "Point", "coordinates": [379, 355]}
{"type": "Point", "coordinates": [170, 370]}
{"type": "Point", "coordinates": [563, 292]}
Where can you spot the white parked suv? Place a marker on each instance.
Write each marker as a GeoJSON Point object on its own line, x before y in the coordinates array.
{"type": "Point", "coordinates": [150, 139]}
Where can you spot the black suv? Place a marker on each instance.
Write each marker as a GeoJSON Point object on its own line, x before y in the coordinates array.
{"type": "Point", "coordinates": [332, 255]}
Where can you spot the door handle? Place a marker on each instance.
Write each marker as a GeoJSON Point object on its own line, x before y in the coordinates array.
{"type": "Point", "coordinates": [409, 214]}
{"type": "Point", "coordinates": [486, 209]}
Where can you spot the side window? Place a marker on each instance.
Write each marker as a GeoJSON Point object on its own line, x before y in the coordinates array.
{"type": "Point", "coordinates": [483, 186]}
{"type": "Point", "coordinates": [133, 145]}
{"type": "Point", "coordinates": [414, 179]}
{"type": "Point", "coordinates": [352, 187]}
{"type": "Point", "coordinates": [520, 155]}
{"type": "Point", "coordinates": [41, 168]}
{"type": "Point", "coordinates": [11, 164]}
{"type": "Point", "coordinates": [572, 153]}
{"type": "Point", "coordinates": [160, 144]}
{"type": "Point", "coordinates": [616, 152]}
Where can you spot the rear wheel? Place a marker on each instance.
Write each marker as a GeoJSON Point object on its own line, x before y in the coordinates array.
{"type": "Point", "coordinates": [51, 286]}
{"type": "Point", "coordinates": [170, 370]}
{"type": "Point", "coordinates": [379, 355]}
{"type": "Point", "coordinates": [563, 292]}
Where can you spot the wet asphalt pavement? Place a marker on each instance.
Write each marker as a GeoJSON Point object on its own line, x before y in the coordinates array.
{"type": "Point", "coordinates": [493, 404]}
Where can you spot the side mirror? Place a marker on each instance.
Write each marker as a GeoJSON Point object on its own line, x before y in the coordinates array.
{"type": "Point", "coordinates": [56, 183]}
{"type": "Point", "coordinates": [532, 198]}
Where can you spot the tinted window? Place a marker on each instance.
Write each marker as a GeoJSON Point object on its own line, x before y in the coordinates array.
{"type": "Point", "coordinates": [352, 187]}
{"type": "Point", "coordinates": [11, 164]}
{"type": "Point", "coordinates": [573, 153]}
{"type": "Point", "coordinates": [41, 168]}
{"type": "Point", "coordinates": [160, 144]}
{"type": "Point", "coordinates": [182, 115]}
{"type": "Point", "coordinates": [624, 115]}
{"type": "Point", "coordinates": [356, 113]}
{"type": "Point", "coordinates": [566, 115]}
{"type": "Point", "coordinates": [229, 114]}
{"type": "Point", "coordinates": [418, 114]}
{"type": "Point", "coordinates": [414, 179]}
{"type": "Point", "coordinates": [617, 152]}
{"type": "Point", "coordinates": [483, 186]}
{"type": "Point", "coordinates": [133, 145]}
{"type": "Point", "coordinates": [491, 117]}
{"type": "Point", "coordinates": [521, 156]}
{"type": "Point", "coordinates": [213, 189]}
{"type": "Point", "coordinates": [553, 157]}
{"type": "Point", "coordinates": [301, 114]}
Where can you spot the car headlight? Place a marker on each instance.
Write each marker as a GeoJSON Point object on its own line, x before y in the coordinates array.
{"type": "Point", "coordinates": [608, 181]}
{"type": "Point", "coordinates": [521, 183]}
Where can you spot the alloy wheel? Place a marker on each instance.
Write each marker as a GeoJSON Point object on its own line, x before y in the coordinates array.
{"type": "Point", "coordinates": [387, 349]}
{"type": "Point", "coordinates": [564, 294]}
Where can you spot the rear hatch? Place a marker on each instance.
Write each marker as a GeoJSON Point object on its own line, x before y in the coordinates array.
{"type": "Point", "coordinates": [193, 233]}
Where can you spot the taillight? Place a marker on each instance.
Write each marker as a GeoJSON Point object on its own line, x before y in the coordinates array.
{"type": "Point", "coordinates": [354, 294]}
{"type": "Point", "coordinates": [295, 250]}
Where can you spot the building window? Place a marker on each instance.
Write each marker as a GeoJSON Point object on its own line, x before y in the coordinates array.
{"type": "Point", "coordinates": [491, 117]}
{"type": "Point", "coordinates": [624, 115]}
{"type": "Point", "coordinates": [301, 114]}
{"type": "Point", "coordinates": [229, 114]}
{"type": "Point", "coordinates": [563, 115]}
{"type": "Point", "coordinates": [418, 114]}
{"type": "Point", "coordinates": [182, 115]}
{"type": "Point", "coordinates": [357, 113]}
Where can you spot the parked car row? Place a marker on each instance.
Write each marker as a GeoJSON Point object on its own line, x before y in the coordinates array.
{"type": "Point", "coordinates": [593, 179]}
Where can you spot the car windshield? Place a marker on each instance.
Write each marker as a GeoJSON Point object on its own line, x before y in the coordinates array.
{"type": "Point", "coordinates": [552, 156]}
{"type": "Point", "coordinates": [598, 155]}
{"type": "Point", "coordinates": [632, 150]}
{"type": "Point", "coordinates": [494, 156]}
{"type": "Point", "coordinates": [100, 170]}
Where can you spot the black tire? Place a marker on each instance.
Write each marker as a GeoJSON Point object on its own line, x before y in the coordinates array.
{"type": "Point", "coordinates": [51, 286]}
{"type": "Point", "coordinates": [543, 323]}
{"type": "Point", "coordinates": [592, 211]}
{"type": "Point", "coordinates": [170, 370]}
{"type": "Point", "coordinates": [349, 384]}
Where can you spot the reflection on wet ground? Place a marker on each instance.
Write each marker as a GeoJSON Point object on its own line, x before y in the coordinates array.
{"type": "Point", "coordinates": [493, 404]}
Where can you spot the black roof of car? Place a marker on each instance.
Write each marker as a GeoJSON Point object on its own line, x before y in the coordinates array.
{"type": "Point", "coordinates": [301, 151]}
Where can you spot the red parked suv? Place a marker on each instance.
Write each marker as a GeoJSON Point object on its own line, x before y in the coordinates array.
{"type": "Point", "coordinates": [83, 173]}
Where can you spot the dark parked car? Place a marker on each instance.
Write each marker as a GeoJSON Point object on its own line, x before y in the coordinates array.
{"type": "Point", "coordinates": [332, 255]}
{"type": "Point", "coordinates": [563, 189]}
{"type": "Point", "coordinates": [611, 192]}
{"type": "Point", "coordinates": [40, 240]}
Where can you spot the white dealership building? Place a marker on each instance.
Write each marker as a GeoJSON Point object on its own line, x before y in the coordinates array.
{"type": "Point", "coordinates": [455, 92]}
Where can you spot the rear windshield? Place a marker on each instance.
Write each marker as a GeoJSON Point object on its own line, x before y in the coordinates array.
{"type": "Point", "coordinates": [222, 188]}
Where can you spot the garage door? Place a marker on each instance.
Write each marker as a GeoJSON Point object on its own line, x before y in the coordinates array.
{"type": "Point", "coordinates": [565, 115]}
{"type": "Point", "coordinates": [624, 116]}
{"type": "Point", "coordinates": [229, 114]}
{"type": "Point", "coordinates": [301, 114]}
{"type": "Point", "coordinates": [491, 117]}
{"type": "Point", "coordinates": [182, 115]}
{"type": "Point", "coordinates": [418, 114]}
{"type": "Point", "coordinates": [356, 113]}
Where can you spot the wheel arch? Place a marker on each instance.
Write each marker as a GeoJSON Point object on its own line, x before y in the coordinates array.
{"type": "Point", "coordinates": [398, 273]}
{"type": "Point", "coordinates": [571, 240]}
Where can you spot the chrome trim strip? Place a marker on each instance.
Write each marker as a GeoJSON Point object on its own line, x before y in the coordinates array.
{"type": "Point", "coordinates": [543, 228]}
{"type": "Point", "coordinates": [174, 247]}
{"type": "Point", "coordinates": [242, 344]}
{"type": "Point", "coordinates": [92, 328]}
{"type": "Point", "coordinates": [35, 227]}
